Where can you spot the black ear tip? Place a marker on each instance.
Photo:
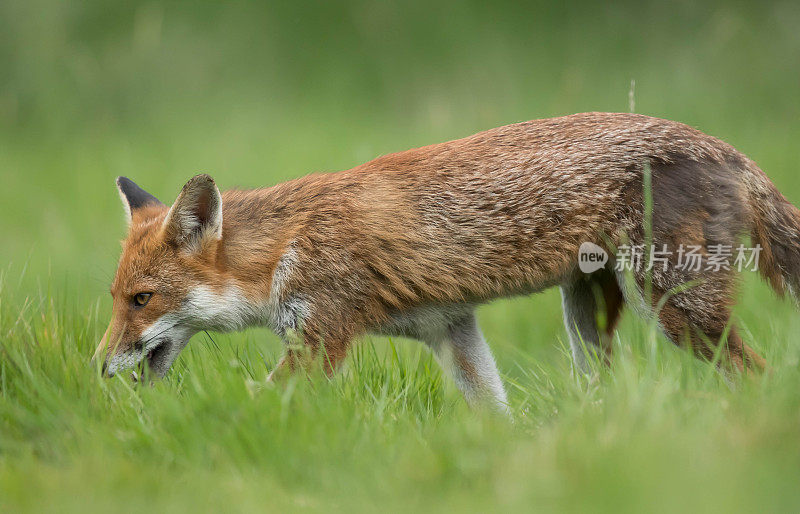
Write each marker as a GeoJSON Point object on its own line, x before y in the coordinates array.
{"type": "Point", "coordinates": [127, 185]}
{"type": "Point", "coordinates": [135, 195]}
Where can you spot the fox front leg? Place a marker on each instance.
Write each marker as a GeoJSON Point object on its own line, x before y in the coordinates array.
{"type": "Point", "coordinates": [296, 356]}
{"type": "Point", "coordinates": [303, 351]}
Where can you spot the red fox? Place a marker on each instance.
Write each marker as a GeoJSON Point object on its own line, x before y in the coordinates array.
{"type": "Point", "coordinates": [409, 244]}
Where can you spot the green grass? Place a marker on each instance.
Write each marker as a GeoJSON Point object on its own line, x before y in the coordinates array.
{"type": "Point", "coordinates": [255, 93]}
{"type": "Point", "coordinates": [658, 431]}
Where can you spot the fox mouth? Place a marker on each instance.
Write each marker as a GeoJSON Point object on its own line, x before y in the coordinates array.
{"type": "Point", "coordinates": [155, 359]}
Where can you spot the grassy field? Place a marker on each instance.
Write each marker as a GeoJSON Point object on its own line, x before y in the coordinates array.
{"type": "Point", "coordinates": [255, 93]}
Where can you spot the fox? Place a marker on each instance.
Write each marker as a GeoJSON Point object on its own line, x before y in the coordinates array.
{"type": "Point", "coordinates": [411, 243]}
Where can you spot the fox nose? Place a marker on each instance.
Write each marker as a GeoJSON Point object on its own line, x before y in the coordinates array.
{"type": "Point", "coordinates": [103, 366]}
{"type": "Point", "coordinates": [100, 353]}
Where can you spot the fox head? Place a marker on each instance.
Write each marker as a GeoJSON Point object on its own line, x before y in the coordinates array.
{"type": "Point", "coordinates": [169, 255]}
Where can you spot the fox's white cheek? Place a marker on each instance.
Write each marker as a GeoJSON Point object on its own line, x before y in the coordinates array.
{"type": "Point", "coordinates": [167, 327]}
{"type": "Point", "coordinates": [221, 311]}
{"type": "Point", "coordinates": [229, 309]}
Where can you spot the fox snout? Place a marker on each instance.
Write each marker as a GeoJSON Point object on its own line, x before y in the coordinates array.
{"type": "Point", "coordinates": [100, 353]}
{"type": "Point", "coordinates": [117, 355]}
{"type": "Point", "coordinates": [105, 356]}
{"type": "Point", "coordinates": [137, 356]}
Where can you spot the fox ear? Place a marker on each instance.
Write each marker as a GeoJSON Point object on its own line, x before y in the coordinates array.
{"type": "Point", "coordinates": [133, 197]}
{"type": "Point", "coordinates": [196, 213]}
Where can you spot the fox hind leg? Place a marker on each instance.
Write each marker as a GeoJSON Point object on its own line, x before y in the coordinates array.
{"type": "Point", "coordinates": [704, 205]}
{"type": "Point", "coordinates": [592, 306]}
{"type": "Point", "coordinates": [691, 320]}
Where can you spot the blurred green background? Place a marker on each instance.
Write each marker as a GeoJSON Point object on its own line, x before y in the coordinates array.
{"type": "Point", "coordinates": [259, 92]}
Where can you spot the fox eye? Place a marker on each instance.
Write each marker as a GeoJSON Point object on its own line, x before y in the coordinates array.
{"type": "Point", "coordinates": [141, 299]}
